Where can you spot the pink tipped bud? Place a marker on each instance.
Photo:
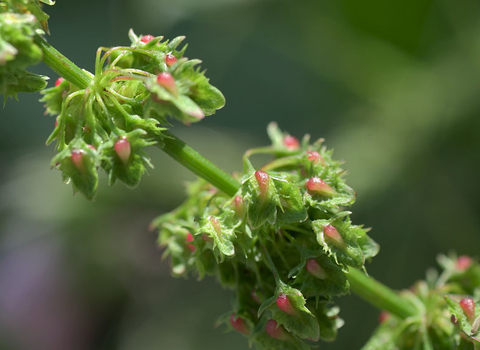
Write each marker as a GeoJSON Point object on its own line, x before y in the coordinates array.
{"type": "Point", "coordinates": [170, 60]}
{"type": "Point", "coordinates": [291, 142]}
{"type": "Point", "coordinates": [468, 307]}
{"type": "Point", "coordinates": [91, 147]}
{"type": "Point", "coordinates": [318, 186]}
{"type": "Point", "coordinates": [263, 182]}
{"type": "Point", "coordinates": [59, 81]}
{"type": "Point", "coordinates": [147, 38]}
{"type": "Point", "coordinates": [276, 331]}
{"type": "Point", "coordinates": [189, 239]}
{"type": "Point", "coordinates": [256, 297]}
{"type": "Point", "coordinates": [454, 320]}
{"type": "Point", "coordinates": [315, 269]}
{"type": "Point", "coordinates": [206, 238]}
{"type": "Point", "coordinates": [216, 225]}
{"type": "Point", "coordinates": [77, 159]}
{"type": "Point", "coordinates": [285, 305]}
{"type": "Point", "coordinates": [464, 262]}
{"type": "Point", "coordinates": [239, 324]}
{"type": "Point", "coordinates": [384, 315]}
{"type": "Point", "coordinates": [167, 81]}
{"type": "Point", "coordinates": [332, 233]}
{"type": "Point", "coordinates": [314, 157]}
{"type": "Point", "coordinates": [239, 206]}
{"type": "Point", "coordinates": [123, 150]}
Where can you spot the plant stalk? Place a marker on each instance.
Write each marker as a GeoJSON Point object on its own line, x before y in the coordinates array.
{"type": "Point", "coordinates": [366, 287]}
{"type": "Point", "coordinates": [379, 295]}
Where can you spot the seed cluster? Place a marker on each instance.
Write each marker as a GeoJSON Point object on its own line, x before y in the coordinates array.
{"type": "Point", "coordinates": [283, 243]}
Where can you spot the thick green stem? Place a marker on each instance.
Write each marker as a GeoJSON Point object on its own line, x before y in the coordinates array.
{"type": "Point", "coordinates": [379, 295]}
{"type": "Point", "coordinates": [366, 287]}
{"type": "Point", "coordinates": [198, 164]}
{"type": "Point", "coordinates": [62, 65]}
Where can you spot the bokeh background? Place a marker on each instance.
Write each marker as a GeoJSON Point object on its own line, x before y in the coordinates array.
{"type": "Point", "coordinates": [393, 86]}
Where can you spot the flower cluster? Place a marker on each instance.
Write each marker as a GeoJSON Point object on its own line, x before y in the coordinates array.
{"type": "Point", "coordinates": [439, 325]}
{"type": "Point", "coordinates": [20, 21]}
{"type": "Point", "coordinates": [124, 108]}
{"type": "Point", "coordinates": [283, 243]}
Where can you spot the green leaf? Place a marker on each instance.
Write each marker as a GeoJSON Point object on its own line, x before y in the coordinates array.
{"type": "Point", "coordinates": [327, 317]}
{"type": "Point", "coordinates": [292, 207]}
{"type": "Point", "coordinates": [470, 328]}
{"type": "Point", "coordinates": [221, 235]}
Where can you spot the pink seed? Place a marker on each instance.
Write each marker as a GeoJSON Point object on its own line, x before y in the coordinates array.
{"type": "Point", "coordinates": [332, 233]}
{"type": "Point", "coordinates": [170, 60]}
{"type": "Point", "coordinates": [147, 38]}
{"type": "Point", "coordinates": [216, 225]}
{"type": "Point", "coordinates": [255, 296]}
{"type": "Point", "coordinates": [91, 147]}
{"type": "Point", "coordinates": [239, 324]}
{"type": "Point", "coordinates": [384, 315]}
{"type": "Point", "coordinates": [318, 186]}
{"type": "Point", "coordinates": [206, 238]}
{"type": "Point", "coordinates": [291, 142]}
{"type": "Point", "coordinates": [77, 159]}
{"type": "Point", "coordinates": [464, 262]}
{"type": "Point", "coordinates": [56, 123]}
{"type": "Point", "coordinates": [314, 157]}
{"type": "Point", "coordinates": [188, 239]}
{"type": "Point", "coordinates": [263, 182]}
{"type": "Point", "coordinates": [239, 206]}
{"type": "Point", "coordinates": [285, 305]}
{"type": "Point", "coordinates": [167, 81]}
{"type": "Point", "coordinates": [276, 331]}
{"type": "Point", "coordinates": [315, 269]}
{"type": "Point", "coordinates": [123, 150]}
{"type": "Point", "coordinates": [468, 307]}
{"type": "Point", "coordinates": [59, 81]}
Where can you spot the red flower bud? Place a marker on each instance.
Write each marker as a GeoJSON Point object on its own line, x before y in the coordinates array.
{"type": "Point", "coordinates": [263, 182]}
{"type": "Point", "coordinates": [276, 331]}
{"type": "Point", "coordinates": [285, 305]}
{"type": "Point", "coordinates": [315, 157]}
{"type": "Point", "coordinates": [188, 239]}
{"type": "Point", "coordinates": [239, 206]}
{"type": "Point", "coordinates": [147, 38]}
{"type": "Point", "coordinates": [239, 324]}
{"type": "Point", "coordinates": [77, 159]}
{"type": "Point", "coordinates": [92, 147]}
{"type": "Point", "coordinates": [123, 150]}
{"type": "Point", "coordinates": [291, 142]}
{"type": "Point", "coordinates": [468, 307]}
{"type": "Point", "coordinates": [59, 81]}
{"type": "Point", "coordinates": [464, 262]}
{"type": "Point", "coordinates": [256, 297]}
{"type": "Point", "coordinates": [318, 186]}
{"type": "Point", "coordinates": [206, 238]}
{"type": "Point", "coordinates": [384, 315]}
{"type": "Point", "coordinates": [315, 269]}
{"type": "Point", "coordinates": [170, 60]}
{"type": "Point", "coordinates": [167, 81]}
{"type": "Point", "coordinates": [332, 233]}
{"type": "Point", "coordinates": [216, 225]}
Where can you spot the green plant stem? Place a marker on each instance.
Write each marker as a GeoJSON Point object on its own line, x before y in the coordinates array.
{"type": "Point", "coordinates": [366, 287]}
{"type": "Point", "coordinates": [198, 164]}
{"type": "Point", "coordinates": [62, 65]}
{"type": "Point", "coordinates": [379, 295]}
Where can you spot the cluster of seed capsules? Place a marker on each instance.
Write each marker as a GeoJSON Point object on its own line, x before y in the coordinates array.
{"type": "Point", "coordinates": [448, 311]}
{"type": "Point", "coordinates": [283, 243]}
{"type": "Point", "coordinates": [124, 109]}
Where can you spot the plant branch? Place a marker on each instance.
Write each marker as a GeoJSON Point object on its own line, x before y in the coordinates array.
{"type": "Point", "coordinates": [379, 295]}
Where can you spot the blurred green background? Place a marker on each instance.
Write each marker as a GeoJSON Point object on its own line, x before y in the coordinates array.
{"type": "Point", "coordinates": [394, 87]}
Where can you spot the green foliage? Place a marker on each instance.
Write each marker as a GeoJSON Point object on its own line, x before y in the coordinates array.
{"type": "Point", "coordinates": [266, 243]}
